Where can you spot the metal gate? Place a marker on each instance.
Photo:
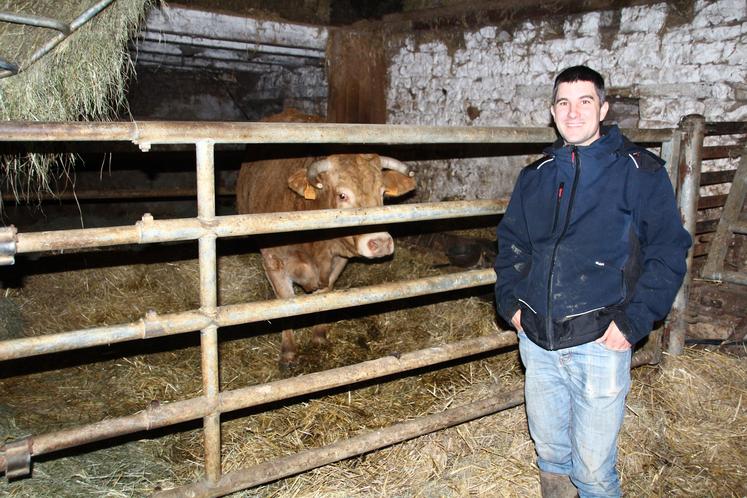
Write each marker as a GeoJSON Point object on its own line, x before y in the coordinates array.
{"type": "Point", "coordinates": [15, 456]}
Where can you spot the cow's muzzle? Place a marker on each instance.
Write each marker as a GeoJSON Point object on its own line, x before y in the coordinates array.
{"type": "Point", "coordinates": [375, 245]}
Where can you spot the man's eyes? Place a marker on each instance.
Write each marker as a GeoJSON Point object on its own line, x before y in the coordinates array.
{"type": "Point", "coordinates": [582, 101]}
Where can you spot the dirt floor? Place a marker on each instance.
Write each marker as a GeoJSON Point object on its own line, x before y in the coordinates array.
{"type": "Point", "coordinates": [684, 433]}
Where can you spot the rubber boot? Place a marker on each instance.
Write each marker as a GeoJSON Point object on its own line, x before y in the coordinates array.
{"type": "Point", "coordinates": [557, 486]}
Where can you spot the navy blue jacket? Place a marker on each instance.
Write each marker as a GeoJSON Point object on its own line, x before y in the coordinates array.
{"type": "Point", "coordinates": [591, 235]}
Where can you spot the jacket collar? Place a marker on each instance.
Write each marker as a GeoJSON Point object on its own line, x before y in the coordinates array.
{"type": "Point", "coordinates": [611, 141]}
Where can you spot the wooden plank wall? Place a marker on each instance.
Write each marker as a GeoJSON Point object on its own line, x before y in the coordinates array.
{"type": "Point", "coordinates": [357, 76]}
{"type": "Point", "coordinates": [717, 310]}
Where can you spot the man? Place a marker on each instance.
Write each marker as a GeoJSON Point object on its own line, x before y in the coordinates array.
{"type": "Point", "coordinates": [591, 253]}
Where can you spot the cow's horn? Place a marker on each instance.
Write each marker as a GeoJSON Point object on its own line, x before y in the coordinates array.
{"type": "Point", "coordinates": [315, 168]}
{"type": "Point", "coordinates": [391, 163]}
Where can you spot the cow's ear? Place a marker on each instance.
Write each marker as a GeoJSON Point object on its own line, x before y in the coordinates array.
{"type": "Point", "coordinates": [298, 183]}
{"type": "Point", "coordinates": [396, 184]}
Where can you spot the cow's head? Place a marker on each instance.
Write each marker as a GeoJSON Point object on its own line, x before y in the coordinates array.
{"type": "Point", "coordinates": [352, 181]}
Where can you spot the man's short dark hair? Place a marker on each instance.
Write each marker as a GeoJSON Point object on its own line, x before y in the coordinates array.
{"type": "Point", "coordinates": [579, 73]}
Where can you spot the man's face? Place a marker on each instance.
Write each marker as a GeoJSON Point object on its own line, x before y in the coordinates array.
{"type": "Point", "coordinates": [577, 112]}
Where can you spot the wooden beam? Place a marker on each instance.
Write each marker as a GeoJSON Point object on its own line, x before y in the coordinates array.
{"type": "Point", "coordinates": [483, 12]}
{"type": "Point", "coordinates": [716, 177]}
{"type": "Point", "coordinates": [726, 128]}
{"type": "Point", "coordinates": [712, 201]}
{"type": "Point", "coordinates": [722, 151]}
{"type": "Point", "coordinates": [356, 72]}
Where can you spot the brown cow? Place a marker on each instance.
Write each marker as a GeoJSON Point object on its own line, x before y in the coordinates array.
{"type": "Point", "coordinates": [301, 184]}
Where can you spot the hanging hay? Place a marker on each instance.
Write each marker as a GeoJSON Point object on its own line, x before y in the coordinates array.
{"type": "Point", "coordinates": [683, 435]}
{"type": "Point", "coordinates": [83, 78]}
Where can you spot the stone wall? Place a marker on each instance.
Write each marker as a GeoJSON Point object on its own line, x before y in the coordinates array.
{"type": "Point", "coordinates": [178, 94]}
{"type": "Point", "coordinates": [669, 59]}
{"type": "Point", "coordinates": [201, 65]}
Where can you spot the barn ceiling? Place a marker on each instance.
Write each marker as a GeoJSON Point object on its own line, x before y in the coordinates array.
{"type": "Point", "coordinates": [192, 39]}
{"type": "Point", "coordinates": [244, 35]}
{"type": "Point", "coordinates": [418, 13]}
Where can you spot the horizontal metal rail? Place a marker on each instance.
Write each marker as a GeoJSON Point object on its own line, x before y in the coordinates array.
{"type": "Point", "coordinates": [145, 133]}
{"type": "Point", "coordinates": [149, 230]}
{"type": "Point", "coordinates": [303, 461]}
{"type": "Point", "coordinates": [157, 415]}
{"type": "Point", "coordinates": [347, 448]}
{"type": "Point", "coordinates": [37, 21]}
{"type": "Point", "coordinates": [153, 325]}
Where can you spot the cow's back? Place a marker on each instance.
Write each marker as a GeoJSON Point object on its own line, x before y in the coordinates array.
{"type": "Point", "coordinates": [262, 186]}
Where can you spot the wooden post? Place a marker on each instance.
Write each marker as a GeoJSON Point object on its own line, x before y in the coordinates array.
{"type": "Point", "coordinates": [356, 71]}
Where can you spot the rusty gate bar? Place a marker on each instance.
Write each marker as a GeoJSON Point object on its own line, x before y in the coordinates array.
{"type": "Point", "coordinates": [208, 306]}
{"type": "Point", "coordinates": [281, 467]}
{"type": "Point", "coordinates": [156, 415]}
{"type": "Point", "coordinates": [153, 325]}
{"type": "Point", "coordinates": [161, 415]}
{"type": "Point", "coordinates": [243, 313]}
{"type": "Point", "coordinates": [148, 230]}
{"type": "Point", "coordinates": [347, 448]}
{"type": "Point", "coordinates": [145, 133]}
{"type": "Point", "coordinates": [36, 21]}
{"type": "Point", "coordinates": [689, 190]}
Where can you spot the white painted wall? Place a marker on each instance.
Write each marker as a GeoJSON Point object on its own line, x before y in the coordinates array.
{"type": "Point", "coordinates": [674, 66]}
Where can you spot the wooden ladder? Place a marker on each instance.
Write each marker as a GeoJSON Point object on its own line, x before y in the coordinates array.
{"type": "Point", "coordinates": [728, 225]}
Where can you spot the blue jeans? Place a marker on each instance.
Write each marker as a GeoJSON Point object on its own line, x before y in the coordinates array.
{"type": "Point", "coordinates": [575, 402]}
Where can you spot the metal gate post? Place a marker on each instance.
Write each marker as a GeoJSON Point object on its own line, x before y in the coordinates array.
{"type": "Point", "coordinates": [687, 194]}
{"type": "Point", "coordinates": [208, 305]}
{"type": "Point", "coordinates": [671, 151]}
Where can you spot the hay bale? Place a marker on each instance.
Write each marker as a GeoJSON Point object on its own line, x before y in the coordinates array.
{"type": "Point", "coordinates": [83, 78]}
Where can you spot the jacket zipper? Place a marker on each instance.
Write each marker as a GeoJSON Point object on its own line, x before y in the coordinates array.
{"type": "Point", "coordinates": [576, 171]}
{"type": "Point", "coordinates": [558, 199]}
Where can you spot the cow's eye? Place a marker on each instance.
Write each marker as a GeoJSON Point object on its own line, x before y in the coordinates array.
{"type": "Point", "coordinates": [343, 196]}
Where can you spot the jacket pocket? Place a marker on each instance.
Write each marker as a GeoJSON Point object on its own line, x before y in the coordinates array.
{"type": "Point", "coordinates": [533, 324]}
{"type": "Point", "coordinates": [584, 285]}
{"type": "Point", "coordinates": [617, 276]}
